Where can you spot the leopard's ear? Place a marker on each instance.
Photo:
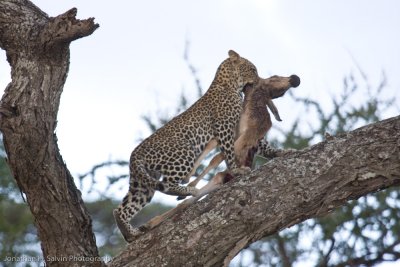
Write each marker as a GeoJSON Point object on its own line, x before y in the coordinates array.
{"type": "Point", "coordinates": [233, 56]}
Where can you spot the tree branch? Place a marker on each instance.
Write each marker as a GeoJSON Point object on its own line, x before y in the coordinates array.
{"type": "Point", "coordinates": [66, 28]}
{"type": "Point", "coordinates": [28, 118]}
{"type": "Point", "coordinates": [286, 191]}
{"type": "Point", "coordinates": [372, 261]}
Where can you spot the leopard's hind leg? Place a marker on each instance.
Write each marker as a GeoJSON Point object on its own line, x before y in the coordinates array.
{"type": "Point", "coordinates": [141, 191]}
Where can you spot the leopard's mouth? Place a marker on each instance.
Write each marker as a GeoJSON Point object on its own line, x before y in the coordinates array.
{"type": "Point", "coordinates": [247, 87]}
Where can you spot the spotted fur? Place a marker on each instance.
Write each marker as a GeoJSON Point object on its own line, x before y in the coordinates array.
{"type": "Point", "coordinates": [173, 149]}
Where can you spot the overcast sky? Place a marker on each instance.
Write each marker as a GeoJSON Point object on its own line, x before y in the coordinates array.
{"type": "Point", "coordinates": [133, 64]}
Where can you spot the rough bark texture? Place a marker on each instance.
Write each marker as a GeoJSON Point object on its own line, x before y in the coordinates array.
{"type": "Point", "coordinates": [284, 192]}
{"type": "Point", "coordinates": [37, 48]}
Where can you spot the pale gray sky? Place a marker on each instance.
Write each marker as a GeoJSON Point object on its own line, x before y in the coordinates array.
{"type": "Point", "coordinates": [133, 64]}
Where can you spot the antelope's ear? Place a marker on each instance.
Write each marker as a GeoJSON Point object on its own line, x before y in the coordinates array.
{"type": "Point", "coordinates": [233, 55]}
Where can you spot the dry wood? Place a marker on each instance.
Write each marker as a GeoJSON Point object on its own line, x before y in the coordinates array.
{"type": "Point", "coordinates": [282, 193]}
{"type": "Point", "coordinates": [37, 48]}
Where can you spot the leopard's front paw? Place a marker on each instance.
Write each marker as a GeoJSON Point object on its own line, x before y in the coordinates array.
{"type": "Point", "coordinates": [284, 152]}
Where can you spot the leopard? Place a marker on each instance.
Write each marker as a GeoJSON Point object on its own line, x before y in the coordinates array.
{"type": "Point", "coordinates": [164, 159]}
{"type": "Point", "coordinates": [255, 121]}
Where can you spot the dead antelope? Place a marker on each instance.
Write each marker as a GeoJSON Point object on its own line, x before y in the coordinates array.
{"type": "Point", "coordinates": [254, 123]}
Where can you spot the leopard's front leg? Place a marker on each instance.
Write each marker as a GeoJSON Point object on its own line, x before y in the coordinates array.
{"type": "Point", "coordinates": [265, 150]}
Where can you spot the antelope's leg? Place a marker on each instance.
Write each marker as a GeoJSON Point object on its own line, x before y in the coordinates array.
{"type": "Point", "coordinates": [210, 146]}
{"type": "Point", "coordinates": [211, 186]}
{"type": "Point", "coordinates": [217, 159]}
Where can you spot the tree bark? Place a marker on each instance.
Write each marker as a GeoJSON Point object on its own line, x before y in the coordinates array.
{"type": "Point", "coordinates": [286, 191]}
{"type": "Point", "coordinates": [282, 193]}
{"type": "Point", "coordinates": [37, 49]}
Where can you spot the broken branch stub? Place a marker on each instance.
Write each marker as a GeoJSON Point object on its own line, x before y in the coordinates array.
{"type": "Point", "coordinates": [66, 28]}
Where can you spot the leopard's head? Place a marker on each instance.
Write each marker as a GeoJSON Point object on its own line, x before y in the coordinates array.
{"type": "Point", "coordinates": [236, 72]}
{"type": "Point", "coordinates": [245, 71]}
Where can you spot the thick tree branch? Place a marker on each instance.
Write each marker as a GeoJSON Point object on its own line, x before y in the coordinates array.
{"type": "Point", "coordinates": [28, 118]}
{"type": "Point", "coordinates": [288, 190]}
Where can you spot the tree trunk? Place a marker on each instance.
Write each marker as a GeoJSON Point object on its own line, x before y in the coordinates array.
{"type": "Point", "coordinates": [37, 49]}
{"type": "Point", "coordinates": [286, 191]}
{"type": "Point", "coordinates": [282, 193]}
